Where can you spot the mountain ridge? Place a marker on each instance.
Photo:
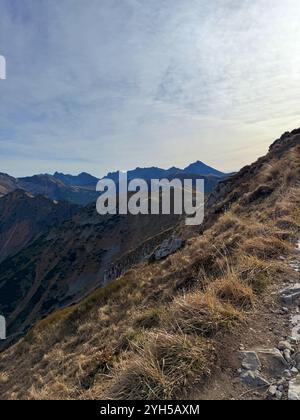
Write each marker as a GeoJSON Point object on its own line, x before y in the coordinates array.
{"type": "Point", "coordinates": [81, 189]}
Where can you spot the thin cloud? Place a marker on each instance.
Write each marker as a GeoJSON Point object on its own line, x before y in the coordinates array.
{"type": "Point", "coordinates": [119, 83]}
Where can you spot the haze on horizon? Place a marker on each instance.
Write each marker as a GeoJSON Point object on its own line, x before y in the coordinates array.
{"type": "Point", "coordinates": [114, 84]}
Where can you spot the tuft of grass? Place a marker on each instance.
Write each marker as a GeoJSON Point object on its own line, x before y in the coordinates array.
{"type": "Point", "coordinates": [149, 318]}
{"type": "Point", "coordinates": [266, 247]}
{"type": "Point", "coordinates": [258, 273]}
{"type": "Point", "coordinates": [231, 290]}
{"type": "Point", "coordinates": [164, 368]}
{"type": "Point", "coordinates": [203, 314]}
{"type": "Point", "coordinates": [132, 337]}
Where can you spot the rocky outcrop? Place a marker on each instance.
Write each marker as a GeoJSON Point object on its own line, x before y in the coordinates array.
{"type": "Point", "coordinates": [139, 255]}
{"type": "Point", "coordinates": [290, 294]}
{"type": "Point", "coordinates": [285, 139]}
{"type": "Point", "coordinates": [254, 379]}
{"type": "Point", "coordinates": [273, 362]}
{"type": "Point", "coordinates": [168, 247]}
{"type": "Point", "coordinates": [250, 360]}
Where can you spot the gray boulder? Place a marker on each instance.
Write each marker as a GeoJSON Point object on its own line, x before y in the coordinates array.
{"type": "Point", "coordinates": [168, 247]}
{"type": "Point", "coordinates": [272, 361]}
{"type": "Point", "coordinates": [290, 294]}
{"type": "Point", "coordinates": [250, 360]}
{"type": "Point", "coordinates": [285, 345]}
{"type": "Point", "coordinates": [254, 379]}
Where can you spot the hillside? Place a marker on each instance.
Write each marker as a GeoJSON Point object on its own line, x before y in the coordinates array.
{"type": "Point", "coordinates": [24, 217]}
{"type": "Point", "coordinates": [169, 329]}
{"type": "Point", "coordinates": [73, 259]}
{"type": "Point", "coordinates": [7, 184]}
{"type": "Point", "coordinates": [54, 188]}
{"type": "Point", "coordinates": [49, 186]}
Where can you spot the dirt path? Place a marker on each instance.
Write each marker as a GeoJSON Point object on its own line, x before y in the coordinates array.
{"type": "Point", "coordinates": [251, 365]}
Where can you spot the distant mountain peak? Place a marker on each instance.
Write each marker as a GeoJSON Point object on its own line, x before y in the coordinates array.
{"type": "Point", "coordinates": [80, 180]}
{"type": "Point", "coordinates": [200, 168]}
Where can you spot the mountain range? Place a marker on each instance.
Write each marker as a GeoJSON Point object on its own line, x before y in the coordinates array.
{"type": "Point", "coordinates": [81, 189]}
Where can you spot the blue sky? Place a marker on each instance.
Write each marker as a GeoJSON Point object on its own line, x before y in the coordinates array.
{"type": "Point", "coordinates": [102, 85]}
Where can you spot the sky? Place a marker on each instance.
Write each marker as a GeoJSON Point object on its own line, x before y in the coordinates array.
{"type": "Point", "coordinates": [103, 85]}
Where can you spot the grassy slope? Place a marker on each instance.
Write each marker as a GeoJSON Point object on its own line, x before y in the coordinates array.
{"type": "Point", "coordinates": [154, 332]}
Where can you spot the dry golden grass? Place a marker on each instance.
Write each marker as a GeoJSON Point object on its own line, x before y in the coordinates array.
{"type": "Point", "coordinates": [231, 290]}
{"type": "Point", "coordinates": [258, 273]}
{"type": "Point", "coordinates": [202, 314]}
{"type": "Point", "coordinates": [266, 248]}
{"type": "Point", "coordinates": [163, 368]}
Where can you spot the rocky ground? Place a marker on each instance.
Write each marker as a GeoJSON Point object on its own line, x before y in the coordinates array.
{"type": "Point", "coordinates": [263, 360]}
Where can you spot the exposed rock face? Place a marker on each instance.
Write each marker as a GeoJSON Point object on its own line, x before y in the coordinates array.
{"type": "Point", "coordinates": [260, 193]}
{"type": "Point", "coordinates": [272, 361]}
{"type": "Point", "coordinates": [168, 247]}
{"type": "Point", "coordinates": [254, 379]}
{"type": "Point", "coordinates": [250, 361]}
{"type": "Point", "coordinates": [137, 256]}
{"type": "Point", "coordinates": [290, 294]}
{"type": "Point", "coordinates": [285, 139]}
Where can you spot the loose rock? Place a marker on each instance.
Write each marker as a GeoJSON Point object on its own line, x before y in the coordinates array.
{"type": "Point", "coordinates": [285, 310]}
{"type": "Point", "coordinates": [287, 374]}
{"type": "Point", "coordinates": [294, 389]}
{"type": "Point", "coordinates": [272, 391]}
{"type": "Point", "coordinates": [280, 388]}
{"type": "Point", "coordinates": [250, 360]}
{"type": "Point", "coordinates": [254, 379]}
{"type": "Point", "coordinates": [287, 355]}
{"type": "Point", "coordinates": [290, 294]}
{"type": "Point", "coordinates": [285, 345]}
{"type": "Point", "coordinates": [273, 361]}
